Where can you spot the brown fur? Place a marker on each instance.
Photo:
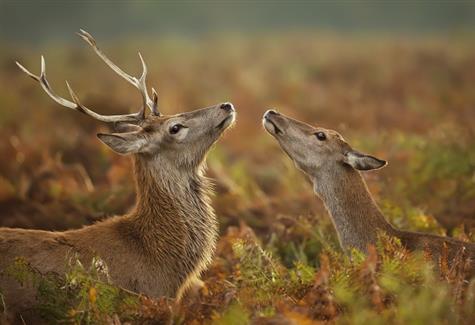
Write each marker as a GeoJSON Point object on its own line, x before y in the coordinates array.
{"type": "Point", "coordinates": [333, 167]}
{"type": "Point", "coordinates": [168, 238]}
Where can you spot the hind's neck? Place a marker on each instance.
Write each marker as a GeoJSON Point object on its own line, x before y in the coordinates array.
{"type": "Point", "coordinates": [353, 211]}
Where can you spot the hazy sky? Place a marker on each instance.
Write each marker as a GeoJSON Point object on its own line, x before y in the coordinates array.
{"type": "Point", "coordinates": [40, 20]}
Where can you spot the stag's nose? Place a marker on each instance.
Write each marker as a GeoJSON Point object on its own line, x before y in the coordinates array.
{"type": "Point", "coordinates": [270, 112]}
{"type": "Point", "coordinates": [227, 107]}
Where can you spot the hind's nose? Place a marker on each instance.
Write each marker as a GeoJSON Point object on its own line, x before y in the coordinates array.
{"type": "Point", "coordinates": [227, 107]}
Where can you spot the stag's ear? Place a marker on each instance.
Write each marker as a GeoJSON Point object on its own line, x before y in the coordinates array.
{"type": "Point", "coordinates": [123, 143]}
{"type": "Point", "coordinates": [360, 161]}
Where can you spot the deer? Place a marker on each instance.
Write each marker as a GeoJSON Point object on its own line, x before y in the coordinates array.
{"type": "Point", "coordinates": [168, 238]}
{"type": "Point", "coordinates": [334, 167]}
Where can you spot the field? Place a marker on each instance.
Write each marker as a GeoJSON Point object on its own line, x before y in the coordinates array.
{"type": "Point", "coordinates": [410, 101]}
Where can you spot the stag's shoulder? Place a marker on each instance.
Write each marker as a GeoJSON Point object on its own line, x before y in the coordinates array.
{"type": "Point", "coordinates": [113, 235]}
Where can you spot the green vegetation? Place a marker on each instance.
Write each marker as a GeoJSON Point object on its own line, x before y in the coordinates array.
{"type": "Point", "coordinates": [82, 296]}
{"type": "Point", "coordinates": [389, 285]}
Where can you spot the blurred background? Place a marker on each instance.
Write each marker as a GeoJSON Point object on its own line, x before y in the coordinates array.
{"type": "Point", "coordinates": [52, 20]}
{"type": "Point", "coordinates": [395, 78]}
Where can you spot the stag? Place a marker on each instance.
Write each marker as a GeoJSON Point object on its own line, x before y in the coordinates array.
{"type": "Point", "coordinates": [162, 246]}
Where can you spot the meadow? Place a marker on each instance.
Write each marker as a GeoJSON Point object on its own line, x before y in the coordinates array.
{"type": "Point", "coordinates": [407, 100]}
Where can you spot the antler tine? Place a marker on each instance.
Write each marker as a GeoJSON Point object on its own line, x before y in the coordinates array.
{"type": "Point", "coordinates": [140, 84]}
{"type": "Point", "coordinates": [76, 105]}
{"type": "Point", "coordinates": [31, 75]}
{"type": "Point", "coordinates": [155, 102]}
{"type": "Point", "coordinates": [142, 87]}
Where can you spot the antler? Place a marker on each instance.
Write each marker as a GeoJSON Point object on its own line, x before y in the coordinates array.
{"type": "Point", "coordinates": [76, 104]}
{"type": "Point", "coordinates": [140, 83]}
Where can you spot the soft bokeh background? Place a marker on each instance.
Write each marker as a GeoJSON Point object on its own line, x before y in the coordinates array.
{"type": "Point", "coordinates": [395, 78]}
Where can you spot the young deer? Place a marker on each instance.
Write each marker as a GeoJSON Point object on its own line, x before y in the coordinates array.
{"type": "Point", "coordinates": [169, 237]}
{"type": "Point", "coordinates": [333, 166]}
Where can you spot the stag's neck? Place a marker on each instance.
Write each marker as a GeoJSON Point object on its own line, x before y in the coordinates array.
{"type": "Point", "coordinates": [353, 211]}
{"type": "Point", "coordinates": [173, 210]}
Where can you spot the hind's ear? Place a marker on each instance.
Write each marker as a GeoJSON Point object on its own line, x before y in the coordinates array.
{"type": "Point", "coordinates": [360, 161]}
{"type": "Point", "coordinates": [123, 143]}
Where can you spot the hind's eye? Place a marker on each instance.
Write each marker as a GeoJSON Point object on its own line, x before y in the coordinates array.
{"type": "Point", "coordinates": [321, 136]}
{"type": "Point", "coordinates": [175, 128]}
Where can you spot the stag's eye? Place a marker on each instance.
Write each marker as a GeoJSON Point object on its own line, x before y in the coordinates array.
{"type": "Point", "coordinates": [175, 128]}
{"type": "Point", "coordinates": [321, 136]}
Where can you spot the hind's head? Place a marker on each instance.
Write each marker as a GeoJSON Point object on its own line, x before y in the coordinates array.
{"type": "Point", "coordinates": [315, 149]}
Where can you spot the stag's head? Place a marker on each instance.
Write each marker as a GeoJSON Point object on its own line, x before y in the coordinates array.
{"type": "Point", "coordinates": [182, 139]}
{"type": "Point", "coordinates": [316, 150]}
